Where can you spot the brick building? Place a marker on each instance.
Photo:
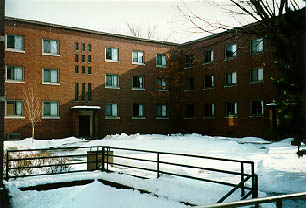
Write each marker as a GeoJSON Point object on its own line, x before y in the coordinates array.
{"type": "Point", "coordinates": [91, 83]}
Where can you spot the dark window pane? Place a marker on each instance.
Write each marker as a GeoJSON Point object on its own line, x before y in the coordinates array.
{"type": "Point", "coordinates": [83, 46]}
{"type": "Point", "coordinates": [83, 69]}
{"type": "Point", "coordinates": [76, 58]}
{"type": "Point", "coordinates": [10, 41]}
{"type": "Point", "coordinates": [76, 69]}
{"type": "Point", "coordinates": [89, 70]}
{"type": "Point", "coordinates": [89, 92]}
{"type": "Point", "coordinates": [89, 47]}
{"type": "Point", "coordinates": [76, 46]}
{"type": "Point", "coordinates": [76, 98]}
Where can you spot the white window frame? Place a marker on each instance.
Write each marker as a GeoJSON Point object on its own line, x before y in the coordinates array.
{"type": "Point", "coordinates": [213, 82]}
{"type": "Point", "coordinates": [211, 50]}
{"type": "Point", "coordinates": [232, 50]}
{"type": "Point", "coordinates": [163, 111]}
{"type": "Point", "coordinates": [57, 116]}
{"type": "Point", "coordinates": [113, 109]}
{"type": "Point", "coordinates": [14, 80]}
{"type": "Point", "coordinates": [162, 86]}
{"type": "Point", "coordinates": [138, 88]}
{"type": "Point", "coordinates": [113, 52]}
{"type": "Point", "coordinates": [261, 114]}
{"type": "Point", "coordinates": [138, 52]}
{"type": "Point", "coordinates": [163, 60]}
{"type": "Point", "coordinates": [233, 115]}
{"type": "Point", "coordinates": [14, 49]}
{"type": "Point", "coordinates": [260, 75]}
{"type": "Point", "coordinates": [21, 116]}
{"type": "Point", "coordinates": [50, 83]}
{"type": "Point", "coordinates": [112, 86]}
{"type": "Point", "coordinates": [140, 111]}
{"type": "Point", "coordinates": [50, 54]}
{"type": "Point", "coordinates": [233, 77]}
{"type": "Point", "coordinates": [259, 45]}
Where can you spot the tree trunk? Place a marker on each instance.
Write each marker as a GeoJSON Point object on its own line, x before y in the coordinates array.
{"type": "Point", "coordinates": [33, 132]}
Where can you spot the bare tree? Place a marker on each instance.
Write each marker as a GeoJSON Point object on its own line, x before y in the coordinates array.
{"type": "Point", "coordinates": [32, 106]}
{"type": "Point", "coordinates": [140, 32]}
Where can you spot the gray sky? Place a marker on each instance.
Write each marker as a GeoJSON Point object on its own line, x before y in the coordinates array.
{"type": "Point", "coordinates": [112, 16]}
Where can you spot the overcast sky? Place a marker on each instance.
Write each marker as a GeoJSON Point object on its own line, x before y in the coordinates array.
{"type": "Point", "coordinates": [113, 15]}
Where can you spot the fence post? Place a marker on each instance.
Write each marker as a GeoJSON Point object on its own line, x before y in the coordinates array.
{"type": "Point", "coordinates": [7, 166]}
{"type": "Point", "coordinates": [107, 152]}
{"type": "Point", "coordinates": [97, 151]}
{"type": "Point", "coordinates": [242, 178]}
{"type": "Point", "coordinates": [103, 152]}
{"type": "Point", "coordinates": [157, 165]}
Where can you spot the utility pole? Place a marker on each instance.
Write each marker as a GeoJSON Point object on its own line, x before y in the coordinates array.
{"type": "Point", "coordinates": [2, 91]}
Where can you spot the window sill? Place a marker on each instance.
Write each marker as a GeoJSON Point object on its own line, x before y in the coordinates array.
{"type": "Point", "coordinates": [14, 117]}
{"type": "Point", "coordinates": [234, 116]}
{"type": "Point", "coordinates": [114, 88]}
{"type": "Point", "coordinates": [256, 82]}
{"type": "Point", "coordinates": [111, 61]}
{"type": "Point", "coordinates": [162, 118]}
{"type": "Point", "coordinates": [138, 89]}
{"type": "Point", "coordinates": [228, 86]}
{"type": "Point", "coordinates": [136, 63]}
{"type": "Point", "coordinates": [49, 83]}
{"type": "Point", "coordinates": [191, 118]}
{"type": "Point", "coordinates": [51, 118]}
{"type": "Point", "coordinates": [207, 89]}
{"type": "Point", "coordinates": [230, 58]}
{"type": "Point", "coordinates": [112, 117]}
{"type": "Point", "coordinates": [15, 82]}
{"type": "Point", "coordinates": [138, 118]}
{"type": "Point", "coordinates": [14, 50]}
{"type": "Point", "coordinates": [50, 54]}
{"type": "Point", "coordinates": [162, 90]}
{"type": "Point", "coordinates": [188, 67]}
{"type": "Point", "coordinates": [208, 117]}
{"type": "Point", "coordinates": [256, 53]}
{"type": "Point", "coordinates": [207, 63]}
{"type": "Point", "coordinates": [257, 116]}
{"type": "Point", "coordinates": [161, 66]}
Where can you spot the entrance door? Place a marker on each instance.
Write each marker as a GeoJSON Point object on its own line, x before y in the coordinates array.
{"type": "Point", "coordinates": [84, 126]}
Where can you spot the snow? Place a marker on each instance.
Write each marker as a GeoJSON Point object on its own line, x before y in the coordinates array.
{"type": "Point", "coordinates": [85, 107]}
{"type": "Point", "coordinates": [277, 165]}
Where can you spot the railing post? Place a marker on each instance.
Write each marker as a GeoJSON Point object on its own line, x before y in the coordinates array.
{"type": "Point", "coordinates": [107, 156]}
{"type": "Point", "coordinates": [103, 152]}
{"type": "Point", "coordinates": [97, 152]}
{"type": "Point", "coordinates": [279, 204]}
{"type": "Point", "coordinates": [7, 166]}
{"type": "Point", "coordinates": [242, 178]}
{"type": "Point", "coordinates": [157, 165]}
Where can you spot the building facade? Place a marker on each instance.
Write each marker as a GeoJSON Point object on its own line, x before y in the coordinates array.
{"type": "Point", "coordinates": [91, 84]}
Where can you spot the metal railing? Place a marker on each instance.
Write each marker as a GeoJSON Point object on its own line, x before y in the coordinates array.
{"type": "Point", "coordinates": [135, 159]}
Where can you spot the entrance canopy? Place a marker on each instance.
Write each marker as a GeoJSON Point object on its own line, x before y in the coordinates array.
{"type": "Point", "coordinates": [85, 107]}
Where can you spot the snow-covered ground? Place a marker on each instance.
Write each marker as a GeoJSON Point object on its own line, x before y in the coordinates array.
{"type": "Point", "coordinates": [277, 164]}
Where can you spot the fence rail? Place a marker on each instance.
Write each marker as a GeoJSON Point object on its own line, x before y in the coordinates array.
{"type": "Point", "coordinates": [125, 158]}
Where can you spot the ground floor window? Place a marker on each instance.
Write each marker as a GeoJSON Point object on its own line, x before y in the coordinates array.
{"type": "Point", "coordinates": [257, 108]}
{"type": "Point", "coordinates": [231, 109]}
{"type": "Point", "coordinates": [138, 110]}
{"type": "Point", "coordinates": [161, 110]}
{"type": "Point", "coordinates": [14, 108]}
{"type": "Point", "coordinates": [50, 109]}
{"type": "Point", "coordinates": [209, 110]}
{"type": "Point", "coordinates": [111, 109]}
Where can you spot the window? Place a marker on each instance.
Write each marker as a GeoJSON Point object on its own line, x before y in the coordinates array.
{"type": "Point", "coordinates": [76, 46]}
{"type": "Point", "coordinates": [230, 78]}
{"type": "Point", "coordinates": [50, 109]}
{"type": "Point", "coordinates": [256, 45]}
{"type": "Point", "coordinates": [76, 58]}
{"type": "Point", "coordinates": [161, 84]}
{"type": "Point", "coordinates": [257, 75]}
{"type": "Point", "coordinates": [15, 42]}
{"type": "Point", "coordinates": [189, 61]}
{"type": "Point", "coordinates": [83, 69]}
{"type": "Point", "coordinates": [89, 47]}
{"type": "Point", "coordinates": [209, 110]}
{"type": "Point", "coordinates": [111, 110]}
{"type": "Point", "coordinates": [189, 111]}
{"type": "Point", "coordinates": [189, 84]}
{"type": "Point", "coordinates": [15, 73]}
{"type": "Point", "coordinates": [83, 92]}
{"type": "Point", "coordinates": [76, 69]}
{"type": "Point", "coordinates": [51, 47]}
{"type": "Point", "coordinates": [138, 82]}
{"type": "Point", "coordinates": [257, 108]}
{"type": "Point", "coordinates": [89, 92]}
{"type": "Point", "coordinates": [208, 56]}
{"type": "Point", "coordinates": [112, 81]}
{"type": "Point", "coordinates": [111, 54]}
{"type": "Point", "coordinates": [138, 57]}
{"type": "Point", "coordinates": [230, 51]}
{"type": "Point", "coordinates": [51, 76]}
{"type": "Point", "coordinates": [89, 70]}
{"type": "Point", "coordinates": [83, 58]}
{"type": "Point", "coordinates": [231, 109]}
{"type": "Point", "coordinates": [138, 110]}
{"type": "Point", "coordinates": [161, 60]}
{"type": "Point", "coordinates": [13, 136]}
{"type": "Point", "coordinates": [209, 82]}
{"type": "Point", "coordinates": [14, 108]}
{"type": "Point", "coordinates": [161, 111]}
{"type": "Point", "coordinates": [83, 46]}
{"type": "Point", "coordinates": [76, 94]}
{"type": "Point", "coordinates": [89, 58]}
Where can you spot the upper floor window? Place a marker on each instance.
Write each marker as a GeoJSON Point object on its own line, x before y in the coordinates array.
{"type": "Point", "coordinates": [161, 60]}
{"type": "Point", "coordinates": [209, 110]}
{"type": "Point", "coordinates": [83, 69]}
{"type": "Point", "coordinates": [76, 69]}
{"type": "Point", "coordinates": [138, 110]}
{"type": "Point", "coordinates": [161, 84]}
{"type": "Point", "coordinates": [257, 108]}
{"type": "Point", "coordinates": [51, 47]}
{"type": "Point", "coordinates": [230, 51]}
{"type": "Point", "coordinates": [209, 82]}
{"type": "Point", "coordinates": [83, 46]}
{"type": "Point", "coordinates": [257, 75]}
{"type": "Point", "coordinates": [189, 84]}
{"type": "Point", "coordinates": [83, 58]}
{"type": "Point", "coordinates": [112, 81]}
{"type": "Point", "coordinates": [14, 73]}
{"type": "Point", "coordinates": [50, 109]}
{"type": "Point", "coordinates": [89, 92]}
{"type": "Point", "coordinates": [256, 45]}
{"type": "Point", "coordinates": [161, 111]}
{"type": "Point", "coordinates": [138, 82]}
{"type": "Point", "coordinates": [89, 59]}
{"type": "Point", "coordinates": [111, 110]}
{"type": "Point", "coordinates": [89, 70]}
{"type": "Point", "coordinates": [76, 92]}
{"type": "Point", "coordinates": [189, 60]}
{"type": "Point", "coordinates": [51, 76]}
{"type": "Point", "coordinates": [111, 54]}
{"type": "Point", "coordinates": [83, 92]}
{"type": "Point", "coordinates": [138, 57]}
{"type": "Point", "coordinates": [89, 47]}
{"type": "Point", "coordinates": [231, 109]}
{"type": "Point", "coordinates": [76, 46]}
{"type": "Point", "coordinates": [15, 42]}
{"type": "Point", "coordinates": [14, 108]}
{"type": "Point", "coordinates": [76, 57]}
{"type": "Point", "coordinates": [230, 78]}
{"type": "Point", "coordinates": [208, 56]}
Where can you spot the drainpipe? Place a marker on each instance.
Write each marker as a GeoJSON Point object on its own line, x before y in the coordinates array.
{"type": "Point", "coordinates": [2, 98]}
